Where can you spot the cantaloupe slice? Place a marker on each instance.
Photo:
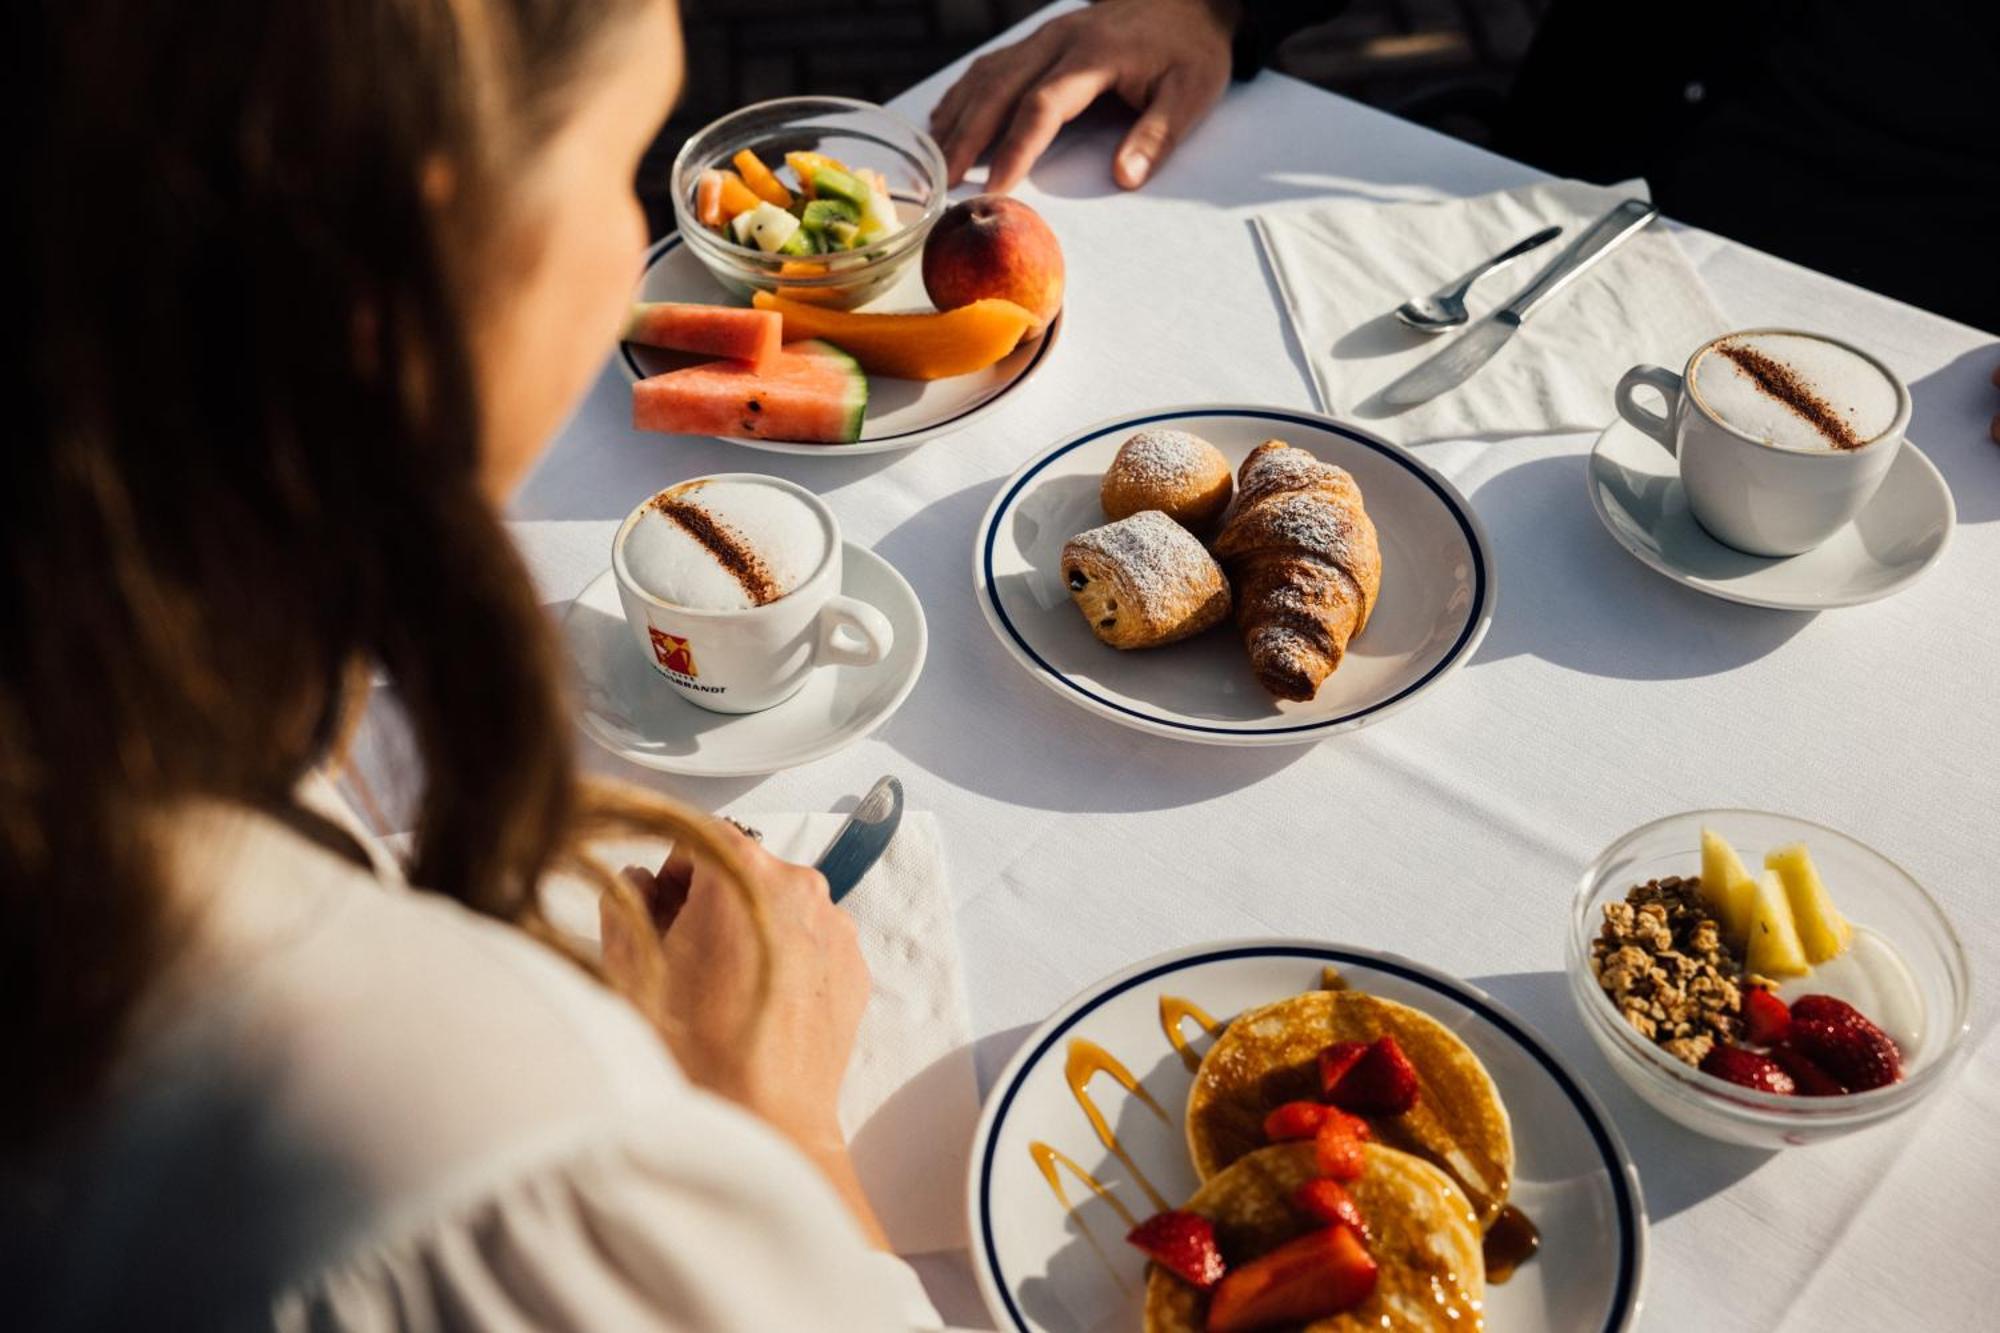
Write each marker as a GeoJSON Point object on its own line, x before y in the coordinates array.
{"type": "Point", "coordinates": [925, 346]}
{"type": "Point", "coordinates": [1726, 887]}
{"type": "Point", "coordinates": [760, 180]}
{"type": "Point", "coordinates": [1774, 949]}
{"type": "Point", "coordinates": [1823, 931]}
{"type": "Point", "coordinates": [720, 196]}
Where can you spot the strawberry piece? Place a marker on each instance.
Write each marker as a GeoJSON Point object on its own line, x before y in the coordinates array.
{"type": "Point", "coordinates": [1295, 1120]}
{"type": "Point", "coordinates": [1319, 1274]}
{"type": "Point", "coordinates": [1856, 1052]}
{"type": "Point", "coordinates": [1824, 1008]}
{"type": "Point", "coordinates": [1812, 1080]}
{"type": "Point", "coordinates": [1382, 1081]}
{"type": "Point", "coordinates": [1338, 1145]}
{"type": "Point", "coordinates": [1766, 1020]}
{"type": "Point", "coordinates": [1183, 1243]}
{"type": "Point", "coordinates": [1335, 1061]}
{"type": "Point", "coordinates": [1735, 1064]}
{"type": "Point", "coordinates": [1326, 1200]}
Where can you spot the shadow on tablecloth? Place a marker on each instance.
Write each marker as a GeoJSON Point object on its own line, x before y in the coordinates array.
{"type": "Point", "coordinates": [1569, 594]}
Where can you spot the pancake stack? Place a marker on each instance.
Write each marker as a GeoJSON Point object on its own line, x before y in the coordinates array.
{"type": "Point", "coordinates": [1435, 1177]}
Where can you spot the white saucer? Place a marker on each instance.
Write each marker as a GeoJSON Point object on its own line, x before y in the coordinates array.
{"type": "Point", "coordinates": [1438, 588]}
{"type": "Point", "coordinates": [901, 413]}
{"type": "Point", "coordinates": [1044, 1268]}
{"type": "Point", "coordinates": [1637, 493]}
{"type": "Point", "coordinates": [631, 712]}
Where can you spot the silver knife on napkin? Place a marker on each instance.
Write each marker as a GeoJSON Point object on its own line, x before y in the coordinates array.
{"type": "Point", "coordinates": [862, 838]}
{"type": "Point", "coordinates": [1464, 355]}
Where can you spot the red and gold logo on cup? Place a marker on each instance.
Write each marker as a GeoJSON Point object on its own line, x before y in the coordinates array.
{"type": "Point", "coordinates": [673, 654]}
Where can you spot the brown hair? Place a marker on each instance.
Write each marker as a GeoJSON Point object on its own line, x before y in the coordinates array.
{"type": "Point", "coordinates": [249, 466]}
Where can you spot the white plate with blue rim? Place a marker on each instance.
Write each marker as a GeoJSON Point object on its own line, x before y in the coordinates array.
{"type": "Point", "coordinates": [901, 414]}
{"type": "Point", "coordinates": [1045, 1266]}
{"type": "Point", "coordinates": [1436, 600]}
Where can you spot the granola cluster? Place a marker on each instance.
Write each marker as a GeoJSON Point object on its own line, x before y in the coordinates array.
{"type": "Point", "coordinates": [1661, 959]}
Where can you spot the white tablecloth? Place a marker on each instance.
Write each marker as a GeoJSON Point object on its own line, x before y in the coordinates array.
{"type": "Point", "coordinates": [1604, 696]}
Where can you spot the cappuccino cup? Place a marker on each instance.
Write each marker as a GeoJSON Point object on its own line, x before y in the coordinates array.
{"type": "Point", "coordinates": [1781, 436]}
{"type": "Point", "coordinates": [731, 585]}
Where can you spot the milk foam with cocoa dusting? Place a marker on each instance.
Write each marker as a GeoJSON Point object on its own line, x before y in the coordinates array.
{"type": "Point", "coordinates": [1795, 391]}
{"type": "Point", "coordinates": [724, 545]}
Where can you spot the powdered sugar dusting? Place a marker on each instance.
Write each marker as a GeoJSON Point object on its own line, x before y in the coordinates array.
{"type": "Point", "coordinates": [1162, 457]}
{"type": "Point", "coordinates": [1287, 469]}
{"type": "Point", "coordinates": [1157, 556]}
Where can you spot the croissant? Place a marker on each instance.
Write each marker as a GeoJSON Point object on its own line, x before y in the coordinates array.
{"type": "Point", "coordinates": [1300, 552]}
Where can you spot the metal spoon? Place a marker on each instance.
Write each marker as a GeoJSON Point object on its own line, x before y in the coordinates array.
{"type": "Point", "coordinates": [1445, 308]}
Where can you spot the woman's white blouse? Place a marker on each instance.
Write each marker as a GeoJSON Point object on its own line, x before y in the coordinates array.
{"type": "Point", "coordinates": [358, 1106]}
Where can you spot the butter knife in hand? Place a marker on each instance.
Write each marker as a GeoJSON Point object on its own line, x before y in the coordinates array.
{"type": "Point", "coordinates": [1464, 355]}
{"type": "Point", "coordinates": [862, 838]}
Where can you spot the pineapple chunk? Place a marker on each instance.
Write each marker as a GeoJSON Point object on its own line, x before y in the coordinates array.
{"type": "Point", "coordinates": [1823, 931]}
{"type": "Point", "coordinates": [1726, 888]}
{"type": "Point", "coordinates": [1774, 949]}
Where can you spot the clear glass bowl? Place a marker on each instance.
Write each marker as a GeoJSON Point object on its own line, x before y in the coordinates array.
{"type": "Point", "coordinates": [1932, 995]}
{"type": "Point", "coordinates": [859, 134]}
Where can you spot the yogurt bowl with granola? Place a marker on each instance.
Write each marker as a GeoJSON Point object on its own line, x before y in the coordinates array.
{"type": "Point", "coordinates": [1765, 980]}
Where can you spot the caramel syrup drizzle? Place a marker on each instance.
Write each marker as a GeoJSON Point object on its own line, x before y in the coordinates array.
{"type": "Point", "coordinates": [1087, 1060]}
{"type": "Point", "coordinates": [1176, 1010]}
{"type": "Point", "coordinates": [1047, 1159]}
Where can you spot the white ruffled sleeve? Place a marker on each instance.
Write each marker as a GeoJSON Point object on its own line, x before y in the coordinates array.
{"type": "Point", "coordinates": [698, 1220]}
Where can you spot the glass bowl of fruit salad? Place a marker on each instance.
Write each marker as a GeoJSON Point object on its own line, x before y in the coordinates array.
{"type": "Point", "coordinates": [1765, 980]}
{"type": "Point", "coordinates": [822, 199]}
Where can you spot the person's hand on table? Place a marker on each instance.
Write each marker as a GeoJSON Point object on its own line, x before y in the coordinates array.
{"type": "Point", "coordinates": [1168, 60]}
{"type": "Point", "coordinates": [784, 1065]}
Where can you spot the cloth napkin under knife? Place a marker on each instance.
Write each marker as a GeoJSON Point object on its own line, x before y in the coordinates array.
{"type": "Point", "coordinates": [911, 1098]}
{"type": "Point", "coordinates": [1344, 267]}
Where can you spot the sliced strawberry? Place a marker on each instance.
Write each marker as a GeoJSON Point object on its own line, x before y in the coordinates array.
{"type": "Point", "coordinates": [1335, 1061]}
{"type": "Point", "coordinates": [1765, 1017]}
{"type": "Point", "coordinates": [1824, 1008]}
{"type": "Point", "coordinates": [1382, 1081]}
{"type": "Point", "coordinates": [1295, 1120]}
{"type": "Point", "coordinates": [1326, 1200]}
{"type": "Point", "coordinates": [1319, 1274]}
{"type": "Point", "coordinates": [1735, 1064]}
{"type": "Point", "coordinates": [1855, 1051]}
{"type": "Point", "coordinates": [1338, 1145]}
{"type": "Point", "coordinates": [1811, 1079]}
{"type": "Point", "coordinates": [1183, 1243]}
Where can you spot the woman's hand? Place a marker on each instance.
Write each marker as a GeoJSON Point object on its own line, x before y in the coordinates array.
{"type": "Point", "coordinates": [1167, 59]}
{"type": "Point", "coordinates": [784, 1064]}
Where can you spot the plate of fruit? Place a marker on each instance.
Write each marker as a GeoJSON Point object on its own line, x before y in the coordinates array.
{"type": "Point", "coordinates": [1285, 1134]}
{"type": "Point", "coordinates": [820, 295]}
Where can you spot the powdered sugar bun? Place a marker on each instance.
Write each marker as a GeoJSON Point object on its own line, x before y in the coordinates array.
{"type": "Point", "coordinates": [1181, 475]}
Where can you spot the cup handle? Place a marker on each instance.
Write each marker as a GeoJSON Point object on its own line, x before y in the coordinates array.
{"type": "Point", "coordinates": [1658, 425]}
{"type": "Point", "coordinates": [853, 633]}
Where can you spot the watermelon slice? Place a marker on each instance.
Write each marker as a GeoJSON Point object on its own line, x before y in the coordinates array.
{"type": "Point", "coordinates": [811, 393]}
{"type": "Point", "coordinates": [712, 330]}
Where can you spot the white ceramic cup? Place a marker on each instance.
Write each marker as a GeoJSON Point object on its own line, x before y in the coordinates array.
{"type": "Point", "coordinates": [752, 658]}
{"type": "Point", "coordinates": [1758, 497]}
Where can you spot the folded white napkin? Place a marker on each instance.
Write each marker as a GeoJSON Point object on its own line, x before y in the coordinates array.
{"type": "Point", "coordinates": [911, 1097]}
{"type": "Point", "coordinates": [1344, 267]}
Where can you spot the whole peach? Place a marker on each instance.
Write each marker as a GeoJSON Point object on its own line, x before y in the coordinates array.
{"type": "Point", "coordinates": [992, 245]}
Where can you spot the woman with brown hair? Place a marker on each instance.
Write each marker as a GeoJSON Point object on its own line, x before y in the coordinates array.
{"type": "Point", "coordinates": [310, 284]}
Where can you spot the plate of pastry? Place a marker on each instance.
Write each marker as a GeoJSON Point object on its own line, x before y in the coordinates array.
{"type": "Point", "coordinates": [1287, 1134]}
{"type": "Point", "coordinates": [1234, 575]}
